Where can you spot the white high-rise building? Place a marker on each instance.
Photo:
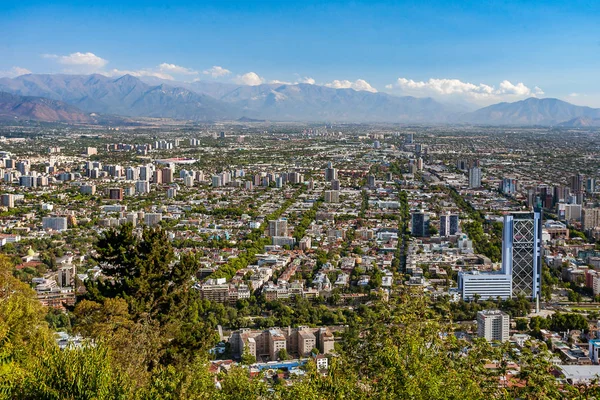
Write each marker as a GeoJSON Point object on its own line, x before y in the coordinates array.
{"type": "Point", "coordinates": [474, 178]}
{"type": "Point", "coordinates": [493, 325]}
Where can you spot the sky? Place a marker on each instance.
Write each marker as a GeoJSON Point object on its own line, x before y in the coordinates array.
{"type": "Point", "coordinates": [477, 52]}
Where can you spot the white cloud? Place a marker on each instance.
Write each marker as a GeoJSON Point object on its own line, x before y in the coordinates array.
{"type": "Point", "coordinates": [249, 78]}
{"type": "Point", "coordinates": [216, 71]}
{"type": "Point", "coordinates": [86, 60]}
{"type": "Point", "coordinates": [275, 81]}
{"type": "Point", "coordinates": [359, 84]}
{"type": "Point", "coordinates": [307, 79]}
{"type": "Point", "coordinates": [574, 95]}
{"type": "Point", "coordinates": [475, 92]}
{"type": "Point", "coordinates": [14, 72]}
{"type": "Point", "coordinates": [176, 69]}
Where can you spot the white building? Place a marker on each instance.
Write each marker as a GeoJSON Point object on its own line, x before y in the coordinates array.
{"type": "Point", "coordinates": [485, 286]}
{"type": "Point", "coordinates": [58, 224]}
{"type": "Point", "coordinates": [493, 325]}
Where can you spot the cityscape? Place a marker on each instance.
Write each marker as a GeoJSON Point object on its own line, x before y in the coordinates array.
{"type": "Point", "coordinates": [198, 232]}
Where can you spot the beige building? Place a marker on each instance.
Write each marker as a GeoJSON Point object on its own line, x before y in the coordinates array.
{"type": "Point", "coordinates": [265, 345]}
{"type": "Point", "coordinates": [590, 218]}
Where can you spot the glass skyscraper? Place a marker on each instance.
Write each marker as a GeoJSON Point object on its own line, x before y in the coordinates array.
{"type": "Point", "coordinates": [522, 252]}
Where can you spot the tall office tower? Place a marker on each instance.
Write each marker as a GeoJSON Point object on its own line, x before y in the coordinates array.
{"type": "Point", "coordinates": [371, 181]}
{"type": "Point", "coordinates": [409, 138]}
{"type": "Point", "coordinates": [590, 185]}
{"type": "Point", "coordinates": [508, 186]}
{"type": "Point", "coordinates": [8, 200]}
{"type": "Point", "coordinates": [278, 227]}
{"type": "Point", "coordinates": [167, 175]}
{"type": "Point", "coordinates": [463, 165]}
{"type": "Point", "coordinates": [448, 224]}
{"type": "Point", "coordinates": [330, 173]}
{"type": "Point", "coordinates": [420, 224]}
{"type": "Point", "coordinates": [561, 194]}
{"type": "Point", "coordinates": [420, 164]}
{"type": "Point", "coordinates": [474, 177]}
{"type": "Point", "coordinates": [418, 148]}
{"type": "Point", "coordinates": [335, 184]}
{"type": "Point", "coordinates": [493, 325]}
{"type": "Point", "coordinates": [522, 252]}
{"type": "Point", "coordinates": [576, 183]}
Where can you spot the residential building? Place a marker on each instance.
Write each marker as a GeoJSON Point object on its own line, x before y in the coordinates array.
{"type": "Point", "coordinates": [474, 177]}
{"type": "Point", "coordinates": [493, 325]}
{"type": "Point", "coordinates": [420, 224]}
{"type": "Point", "coordinates": [57, 224]}
{"type": "Point", "coordinates": [449, 224]}
{"type": "Point", "coordinates": [278, 227]}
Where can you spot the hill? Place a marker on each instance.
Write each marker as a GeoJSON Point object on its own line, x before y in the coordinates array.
{"type": "Point", "coordinates": [531, 111]}
{"type": "Point", "coordinates": [39, 109]}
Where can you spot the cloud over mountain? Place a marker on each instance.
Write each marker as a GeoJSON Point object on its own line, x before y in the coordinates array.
{"type": "Point", "coordinates": [79, 62]}
{"type": "Point", "coordinates": [468, 91]}
{"type": "Point", "coordinates": [216, 71]}
{"type": "Point", "coordinates": [249, 78]}
{"type": "Point", "coordinates": [359, 84]}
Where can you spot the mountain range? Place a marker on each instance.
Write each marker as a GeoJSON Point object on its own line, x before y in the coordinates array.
{"type": "Point", "coordinates": [39, 109]}
{"type": "Point", "coordinates": [72, 98]}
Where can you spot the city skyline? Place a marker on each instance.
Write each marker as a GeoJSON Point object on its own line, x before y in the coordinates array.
{"type": "Point", "coordinates": [468, 53]}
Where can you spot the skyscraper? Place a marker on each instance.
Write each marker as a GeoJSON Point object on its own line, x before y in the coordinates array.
{"type": "Point", "coordinates": [493, 325]}
{"type": "Point", "coordinates": [330, 173]}
{"type": "Point", "coordinates": [522, 252]}
{"type": "Point", "coordinates": [448, 224]}
{"type": "Point", "coordinates": [576, 183]}
{"type": "Point", "coordinates": [590, 185]}
{"type": "Point", "coordinates": [278, 227]}
{"type": "Point", "coordinates": [474, 177]}
{"type": "Point", "coordinates": [420, 224]}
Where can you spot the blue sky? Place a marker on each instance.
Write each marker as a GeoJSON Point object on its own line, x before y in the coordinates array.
{"type": "Point", "coordinates": [479, 52]}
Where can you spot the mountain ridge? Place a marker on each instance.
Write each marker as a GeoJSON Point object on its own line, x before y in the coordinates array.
{"type": "Point", "coordinates": [131, 96]}
{"type": "Point", "coordinates": [40, 109]}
